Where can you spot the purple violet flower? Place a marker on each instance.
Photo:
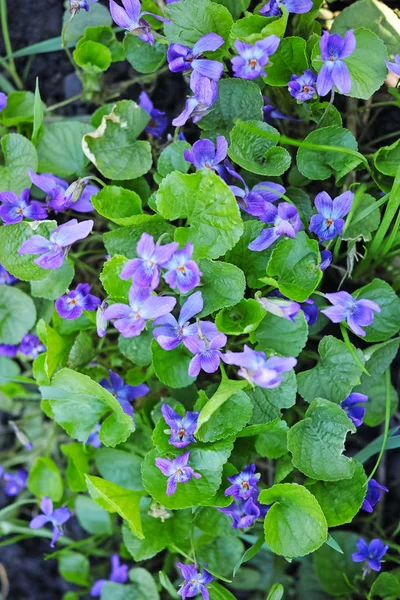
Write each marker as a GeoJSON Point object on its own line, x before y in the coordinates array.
{"type": "Point", "coordinates": [145, 270]}
{"type": "Point", "coordinates": [31, 346]}
{"type": "Point", "coordinates": [371, 554]}
{"type": "Point", "coordinates": [205, 94]}
{"type": "Point", "coordinates": [334, 71]}
{"type": "Point", "coordinates": [170, 332]}
{"type": "Point", "coordinates": [124, 393]}
{"type": "Point", "coordinates": [394, 66]}
{"type": "Point", "coordinates": [54, 250]}
{"type": "Point", "coordinates": [254, 201]}
{"type": "Point", "coordinates": [177, 470]}
{"type": "Point", "coordinates": [21, 436]}
{"type": "Point", "coordinates": [58, 197]}
{"type": "Point", "coordinates": [56, 517]}
{"type": "Point", "coordinates": [357, 313]}
{"type": "Point", "coordinates": [131, 18]}
{"type": "Point", "coordinates": [242, 512]}
{"type": "Point", "coordinates": [8, 350]}
{"type": "Point", "coordinates": [272, 8]}
{"type": "Point", "coordinates": [353, 411]}
{"type": "Point", "coordinates": [182, 428]}
{"type": "Point", "coordinates": [326, 259]}
{"type": "Point", "coordinates": [207, 353]}
{"type": "Point", "coordinates": [303, 87]}
{"type": "Point", "coordinates": [118, 574]}
{"type": "Point", "coordinates": [15, 208]}
{"type": "Point", "coordinates": [252, 58]}
{"type": "Point", "coordinates": [280, 307]}
{"type": "Point", "coordinates": [101, 322]}
{"type": "Point", "coordinates": [130, 320]}
{"type": "Point", "coordinates": [244, 483]}
{"type": "Point", "coordinates": [194, 582]}
{"type": "Point", "coordinates": [271, 113]}
{"type": "Point", "coordinates": [373, 495]}
{"type": "Point", "coordinates": [182, 58]}
{"type": "Point", "coordinates": [6, 278]}
{"type": "Point", "coordinates": [94, 437]}
{"type": "Point", "coordinates": [14, 483]}
{"type": "Point", "coordinates": [329, 221]}
{"type": "Point", "coordinates": [182, 272]}
{"type": "Point", "coordinates": [285, 220]}
{"type": "Point", "coordinates": [72, 304]}
{"type": "Point", "coordinates": [290, 310]}
{"type": "Point", "coordinates": [258, 369]}
{"type": "Point", "coordinates": [158, 119]}
{"type": "Point", "coordinates": [3, 101]}
{"type": "Point", "coordinates": [204, 154]}
{"type": "Point", "coordinates": [76, 5]}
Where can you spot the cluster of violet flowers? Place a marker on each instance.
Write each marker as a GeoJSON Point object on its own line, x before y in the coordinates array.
{"type": "Point", "coordinates": [30, 347]}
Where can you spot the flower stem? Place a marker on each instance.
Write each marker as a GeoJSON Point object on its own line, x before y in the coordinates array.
{"type": "Point", "coordinates": [7, 44]}
{"type": "Point", "coordinates": [352, 350]}
{"type": "Point", "coordinates": [387, 423]}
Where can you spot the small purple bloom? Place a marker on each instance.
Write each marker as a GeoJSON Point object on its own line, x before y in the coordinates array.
{"type": "Point", "coordinates": [258, 369]}
{"type": "Point", "coordinates": [302, 87]}
{"type": "Point", "coordinates": [205, 94]}
{"type": "Point", "coordinates": [353, 411]}
{"type": "Point", "coordinates": [124, 393]}
{"type": "Point", "coordinates": [285, 220]}
{"type": "Point", "coordinates": [54, 250]}
{"type": "Point", "coordinates": [158, 119]}
{"type": "Point", "coordinates": [182, 58]}
{"type": "Point", "coordinates": [170, 332]}
{"type": "Point", "coordinates": [182, 272]}
{"type": "Point", "coordinates": [373, 495]}
{"type": "Point", "coordinates": [14, 483]}
{"type": "Point", "coordinates": [244, 483]}
{"type": "Point", "coordinates": [3, 101]}
{"type": "Point", "coordinates": [5, 277]}
{"type": "Point", "coordinates": [242, 512]}
{"type": "Point", "coordinates": [290, 309]}
{"type": "Point", "coordinates": [252, 58]}
{"type": "Point", "coordinates": [182, 428]}
{"type": "Point", "coordinates": [145, 270]}
{"type": "Point", "coordinates": [194, 582]}
{"type": "Point", "coordinates": [272, 8]}
{"type": "Point", "coordinates": [177, 470]}
{"type": "Point", "coordinates": [204, 154]}
{"type": "Point", "coordinates": [326, 259]}
{"type": "Point", "coordinates": [207, 353]}
{"type": "Point", "coordinates": [76, 5]}
{"type": "Point", "coordinates": [118, 574]}
{"type": "Point", "coordinates": [280, 307]}
{"type": "Point", "coordinates": [31, 346]}
{"type": "Point", "coordinates": [101, 322]}
{"type": "Point", "coordinates": [392, 66]}
{"type": "Point", "coordinates": [329, 221]}
{"type": "Point", "coordinates": [255, 201]}
{"type": "Point", "coordinates": [131, 18]}
{"type": "Point", "coordinates": [271, 113]}
{"type": "Point", "coordinates": [357, 313]}
{"type": "Point", "coordinates": [8, 350]}
{"type": "Point", "coordinates": [371, 554]}
{"type": "Point", "coordinates": [94, 437]}
{"type": "Point", "coordinates": [72, 305]}
{"type": "Point", "coordinates": [21, 436]}
{"type": "Point", "coordinates": [334, 71]}
{"type": "Point", "coordinates": [15, 208]}
{"type": "Point", "coordinates": [56, 517]}
{"type": "Point", "coordinates": [58, 196]}
{"type": "Point", "coordinates": [130, 320]}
